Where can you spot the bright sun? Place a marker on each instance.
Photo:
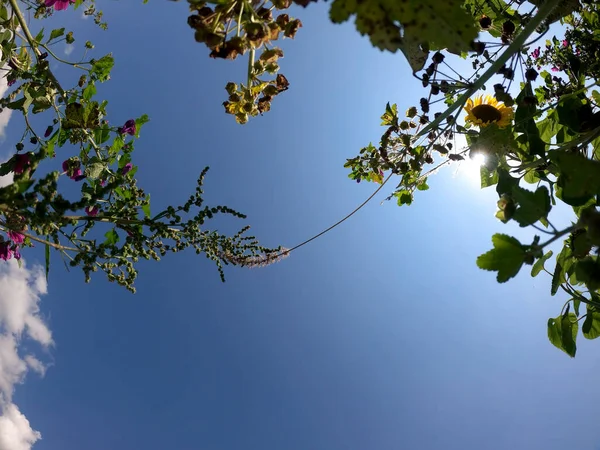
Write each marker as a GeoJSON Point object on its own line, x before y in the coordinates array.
{"type": "Point", "coordinates": [470, 167]}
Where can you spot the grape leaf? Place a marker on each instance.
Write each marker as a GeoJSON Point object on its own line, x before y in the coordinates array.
{"type": "Point", "coordinates": [507, 257]}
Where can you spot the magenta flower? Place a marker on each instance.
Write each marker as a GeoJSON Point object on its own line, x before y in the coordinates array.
{"type": "Point", "coordinates": [128, 128]}
{"type": "Point", "coordinates": [16, 253]}
{"type": "Point", "coordinates": [16, 237]}
{"type": "Point", "coordinates": [555, 69]}
{"type": "Point", "coordinates": [536, 53]}
{"type": "Point", "coordinates": [11, 82]}
{"type": "Point", "coordinates": [21, 162]}
{"type": "Point", "coordinates": [73, 169]}
{"type": "Point", "coordinates": [60, 5]}
{"type": "Point", "coordinates": [126, 168]}
{"type": "Point", "coordinates": [565, 43]}
{"type": "Point", "coordinates": [92, 210]}
{"type": "Point", "coordinates": [5, 251]}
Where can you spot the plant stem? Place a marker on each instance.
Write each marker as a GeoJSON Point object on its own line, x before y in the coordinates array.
{"type": "Point", "coordinates": [512, 49]}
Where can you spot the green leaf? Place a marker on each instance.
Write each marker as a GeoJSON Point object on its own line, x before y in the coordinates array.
{"type": "Point", "coordinates": [404, 197]}
{"type": "Point", "coordinates": [390, 117]}
{"type": "Point", "coordinates": [564, 261]}
{"type": "Point", "coordinates": [40, 36]}
{"type": "Point", "coordinates": [591, 325]}
{"type": "Point", "coordinates": [101, 68]}
{"type": "Point", "coordinates": [111, 237]}
{"type": "Point", "coordinates": [533, 206]}
{"type": "Point", "coordinates": [139, 122]}
{"type": "Point", "coordinates": [539, 264]}
{"type": "Point", "coordinates": [587, 271]}
{"type": "Point", "coordinates": [506, 258]}
{"type": "Point", "coordinates": [389, 24]}
{"type": "Point", "coordinates": [56, 33]}
{"type": "Point", "coordinates": [562, 333]}
{"type": "Point", "coordinates": [488, 177]}
{"type": "Point", "coordinates": [94, 170]}
{"type": "Point", "coordinates": [47, 254]}
{"type": "Point", "coordinates": [89, 91]}
{"type": "Point", "coordinates": [506, 182]}
{"type": "Point", "coordinates": [579, 177]}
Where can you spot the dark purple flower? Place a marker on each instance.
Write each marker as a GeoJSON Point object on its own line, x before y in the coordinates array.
{"type": "Point", "coordinates": [16, 237]}
{"type": "Point", "coordinates": [60, 5]}
{"type": "Point", "coordinates": [92, 210]}
{"type": "Point", "coordinates": [536, 53]}
{"type": "Point", "coordinates": [5, 251]}
{"type": "Point", "coordinates": [48, 131]}
{"type": "Point", "coordinates": [126, 168]}
{"type": "Point", "coordinates": [16, 253]}
{"type": "Point", "coordinates": [21, 162]}
{"type": "Point", "coordinates": [102, 183]}
{"type": "Point", "coordinates": [11, 82]}
{"type": "Point", "coordinates": [128, 128]}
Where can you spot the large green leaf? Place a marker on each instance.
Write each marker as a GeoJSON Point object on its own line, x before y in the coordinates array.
{"type": "Point", "coordinates": [533, 206]}
{"type": "Point", "coordinates": [392, 24]}
{"type": "Point", "coordinates": [562, 332]}
{"type": "Point", "coordinates": [579, 178]}
{"type": "Point", "coordinates": [591, 325]}
{"type": "Point", "coordinates": [506, 258]}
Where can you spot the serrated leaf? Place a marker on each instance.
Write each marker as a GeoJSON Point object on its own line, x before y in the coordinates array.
{"type": "Point", "coordinates": [562, 333]}
{"type": "Point", "coordinates": [506, 258]}
{"type": "Point", "coordinates": [101, 68]}
{"type": "Point", "coordinates": [539, 264]}
{"type": "Point", "coordinates": [532, 205]}
{"type": "Point", "coordinates": [111, 237]}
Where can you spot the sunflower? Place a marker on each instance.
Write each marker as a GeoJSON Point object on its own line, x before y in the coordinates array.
{"type": "Point", "coordinates": [485, 111]}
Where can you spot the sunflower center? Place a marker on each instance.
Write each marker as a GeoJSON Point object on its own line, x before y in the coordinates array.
{"type": "Point", "coordinates": [487, 113]}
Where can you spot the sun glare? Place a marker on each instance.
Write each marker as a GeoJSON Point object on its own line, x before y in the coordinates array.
{"type": "Point", "coordinates": [470, 167]}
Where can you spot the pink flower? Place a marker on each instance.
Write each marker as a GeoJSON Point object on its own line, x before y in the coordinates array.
{"type": "Point", "coordinates": [5, 251]}
{"type": "Point", "coordinates": [21, 162]}
{"type": "Point", "coordinates": [536, 53]}
{"type": "Point", "coordinates": [92, 210]}
{"type": "Point", "coordinates": [59, 5]}
{"type": "Point", "coordinates": [555, 69]}
{"type": "Point", "coordinates": [565, 43]}
{"type": "Point", "coordinates": [16, 237]}
{"type": "Point", "coordinates": [16, 253]}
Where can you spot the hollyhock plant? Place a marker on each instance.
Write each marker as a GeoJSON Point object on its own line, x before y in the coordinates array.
{"type": "Point", "coordinates": [128, 128]}
{"type": "Point", "coordinates": [59, 5]}
{"type": "Point", "coordinates": [73, 169]}
{"type": "Point", "coordinates": [92, 210]}
{"type": "Point", "coordinates": [16, 253]}
{"type": "Point", "coordinates": [16, 237]}
{"type": "Point", "coordinates": [536, 53]}
{"type": "Point", "coordinates": [21, 162]}
{"type": "Point", "coordinates": [126, 168]}
{"type": "Point", "coordinates": [5, 251]}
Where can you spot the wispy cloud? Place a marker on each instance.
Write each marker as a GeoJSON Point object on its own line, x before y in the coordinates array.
{"type": "Point", "coordinates": [69, 49]}
{"type": "Point", "coordinates": [20, 292]}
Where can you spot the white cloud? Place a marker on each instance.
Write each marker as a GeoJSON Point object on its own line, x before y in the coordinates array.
{"type": "Point", "coordinates": [6, 113]}
{"type": "Point", "coordinates": [69, 49]}
{"type": "Point", "coordinates": [15, 431]}
{"type": "Point", "coordinates": [20, 291]}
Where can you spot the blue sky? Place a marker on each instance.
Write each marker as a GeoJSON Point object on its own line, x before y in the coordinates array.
{"type": "Point", "coordinates": [382, 334]}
